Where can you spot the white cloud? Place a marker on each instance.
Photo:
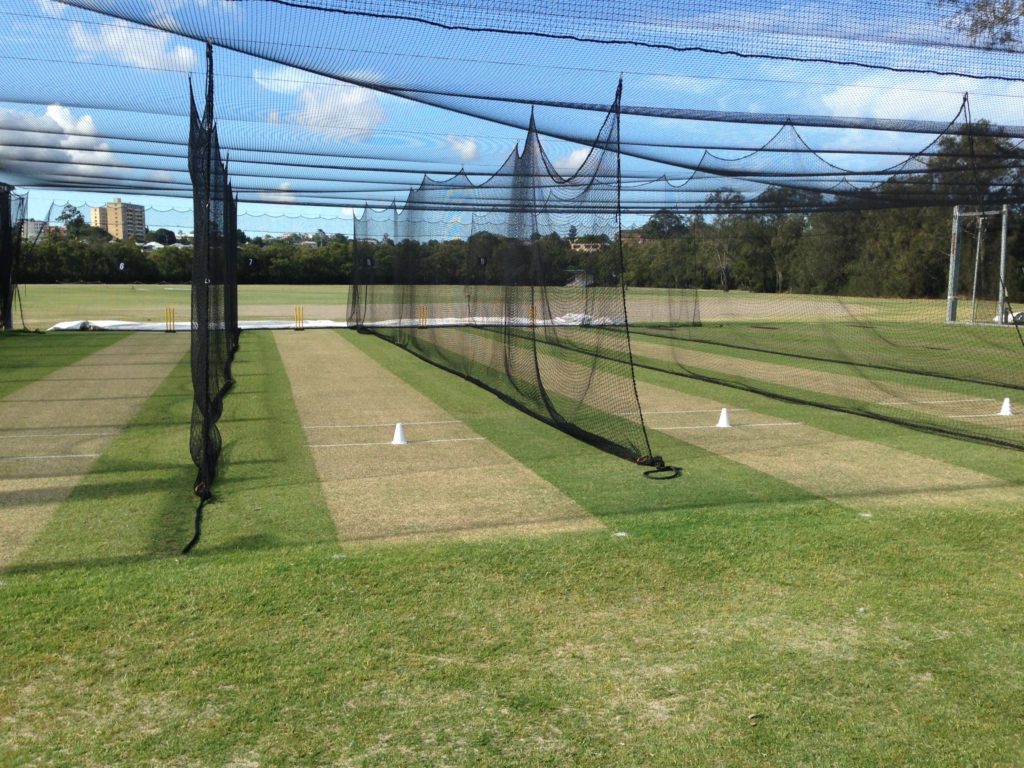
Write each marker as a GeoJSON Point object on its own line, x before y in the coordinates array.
{"type": "Point", "coordinates": [685, 84]}
{"type": "Point", "coordinates": [50, 8]}
{"type": "Point", "coordinates": [160, 177]}
{"type": "Point", "coordinates": [328, 107]}
{"type": "Point", "coordinates": [283, 194]}
{"type": "Point", "coordinates": [569, 164]}
{"type": "Point", "coordinates": [133, 45]}
{"type": "Point", "coordinates": [55, 143]}
{"type": "Point", "coordinates": [466, 149]}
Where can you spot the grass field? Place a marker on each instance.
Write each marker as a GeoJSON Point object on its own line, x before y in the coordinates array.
{"type": "Point", "coordinates": [46, 304]}
{"type": "Point", "coordinates": [827, 590]}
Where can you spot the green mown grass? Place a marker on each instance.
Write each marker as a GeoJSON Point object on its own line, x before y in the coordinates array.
{"type": "Point", "coordinates": [45, 304]}
{"type": "Point", "coordinates": [742, 622]}
{"type": "Point", "coordinates": [137, 501]}
{"type": "Point", "coordinates": [881, 351]}
{"type": "Point", "coordinates": [28, 357]}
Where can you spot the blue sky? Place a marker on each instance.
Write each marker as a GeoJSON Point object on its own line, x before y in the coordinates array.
{"type": "Point", "coordinates": [88, 86]}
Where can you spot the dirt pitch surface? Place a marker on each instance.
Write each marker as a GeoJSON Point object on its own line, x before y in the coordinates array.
{"type": "Point", "coordinates": [858, 474]}
{"type": "Point", "coordinates": [446, 482]}
{"type": "Point", "coordinates": [54, 429]}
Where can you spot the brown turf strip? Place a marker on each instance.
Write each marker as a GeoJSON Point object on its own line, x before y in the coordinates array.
{"type": "Point", "coordinates": [883, 397]}
{"type": "Point", "coordinates": [447, 482]}
{"type": "Point", "coordinates": [53, 430]}
{"type": "Point", "coordinates": [858, 474]}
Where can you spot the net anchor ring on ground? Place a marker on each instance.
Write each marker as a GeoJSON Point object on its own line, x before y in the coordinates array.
{"type": "Point", "coordinates": [659, 470]}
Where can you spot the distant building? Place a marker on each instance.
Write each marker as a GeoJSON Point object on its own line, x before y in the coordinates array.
{"type": "Point", "coordinates": [121, 220]}
{"type": "Point", "coordinates": [586, 247]}
{"type": "Point", "coordinates": [634, 236]}
{"type": "Point", "coordinates": [98, 218]}
{"type": "Point", "coordinates": [32, 229]}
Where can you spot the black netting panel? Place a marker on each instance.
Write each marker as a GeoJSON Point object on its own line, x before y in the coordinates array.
{"type": "Point", "coordinates": [214, 293]}
{"type": "Point", "coordinates": [7, 257]}
{"type": "Point", "coordinates": [841, 311]}
{"type": "Point", "coordinates": [509, 303]}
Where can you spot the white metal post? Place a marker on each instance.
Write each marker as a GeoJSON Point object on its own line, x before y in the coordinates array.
{"type": "Point", "coordinates": [954, 267]}
{"type": "Point", "coordinates": [1002, 268]}
{"type": "Point", "coordinates": [979, 237]}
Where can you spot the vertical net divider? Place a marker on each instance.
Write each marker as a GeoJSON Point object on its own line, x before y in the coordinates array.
{"type": "Point", "coordinates": [214, 337]}
{"type": "Point", "coordinates": [520, 313]}
{"type": "Point", "coordinates": [8, 255]}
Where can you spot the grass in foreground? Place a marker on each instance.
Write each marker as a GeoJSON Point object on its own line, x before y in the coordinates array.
{"type": "Point", "coordinates": [740, 623]}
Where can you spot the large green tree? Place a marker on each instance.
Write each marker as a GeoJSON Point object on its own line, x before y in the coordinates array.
{"type": "Point", "coordinates": [991, 23]}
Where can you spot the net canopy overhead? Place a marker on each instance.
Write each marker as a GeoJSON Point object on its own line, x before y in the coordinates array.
{"type": "Point", "coordinates": [352, 104]}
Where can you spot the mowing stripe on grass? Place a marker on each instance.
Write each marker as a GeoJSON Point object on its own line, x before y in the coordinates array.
{"type": "Point", "coordinates": [52, 417]}
{"type": "Point", "coordinates": [899, 396]}
{"type": "Point", "coordinates": [267, 493]}
{"type": "Point", "coordinates": [859, 474]}
{"type": "Point", "coordinates": [29, 357]}
{"type": "Point", "coordinates": [466, 489]}
{"type": "Point", "coordinates": [136, 501]}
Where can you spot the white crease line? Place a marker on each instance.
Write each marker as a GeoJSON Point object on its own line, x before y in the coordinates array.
{"type": "Point", "coordinates": [57, 456]}
{"type": "Point", "coordinates": [702, 410]}
{"type": "Point", "coordinates": [980, 416]}
{"type": "Point", "coordinates": [712, 426]}
{"type": "Point", "coordinates": [410, 442]}
{"type": "Point", "coordinates": [935, 402]}
{"type": "Point", "coordinates": [57, 434]}
{"type": "Point", "coordinates": [388, 424]}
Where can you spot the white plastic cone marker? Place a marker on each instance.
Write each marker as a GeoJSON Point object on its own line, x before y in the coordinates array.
{"type": "Point", "coordinates": [723, 420]}
{"type": "Point", "coordinates": [399, 438]}
{"type": "Point", "coordinates": [1006, 410]}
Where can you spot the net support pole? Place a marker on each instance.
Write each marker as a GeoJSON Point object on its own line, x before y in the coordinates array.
{"type": "Point", "coordinates": [978, 253]}
{"type": "Point", "coordinates": [1001, 316]}
{"type": "Point", "coordinates": [8, 243]}
{"type": "Point", "coordinates": [954, 267]}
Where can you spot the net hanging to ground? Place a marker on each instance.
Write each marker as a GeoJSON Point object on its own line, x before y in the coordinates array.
{"type": "Point", "coordinates": [515, 311]}
{"type": "Point", "coordinates": [841, 310]}
{"type": "Point", "coordinates": [214, 292]}
{"type": "Point", "coordinates": [12, 212]}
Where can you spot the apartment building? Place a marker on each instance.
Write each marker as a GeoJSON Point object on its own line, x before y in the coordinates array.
{"type": "Point", "coordinates": [121, 220]}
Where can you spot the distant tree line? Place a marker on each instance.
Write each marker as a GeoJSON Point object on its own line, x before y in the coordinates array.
{"type": "Point", "coordinates": [898, 252]}
{"type": "Point", "coordinates": [791, 241]}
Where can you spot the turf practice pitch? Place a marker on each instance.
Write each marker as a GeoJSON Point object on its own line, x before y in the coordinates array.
{"type": "Point", "coordinates": [816, 588]}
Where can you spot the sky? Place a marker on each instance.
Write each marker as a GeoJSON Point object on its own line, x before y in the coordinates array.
{"type": "Point", "coordinates": [94, 107]}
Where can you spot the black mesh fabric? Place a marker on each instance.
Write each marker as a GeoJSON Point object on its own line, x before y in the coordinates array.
{"type": "Point", "coordinates": [839, 310]}
{"type": "Point", "coordinates": [12, 213]}
{"type": "Point", "coordinates": [214, 292]}
{"type": "Point", "coordinates": [526, 318]}
{"type": "Point", "coordinates": [7, 257]}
